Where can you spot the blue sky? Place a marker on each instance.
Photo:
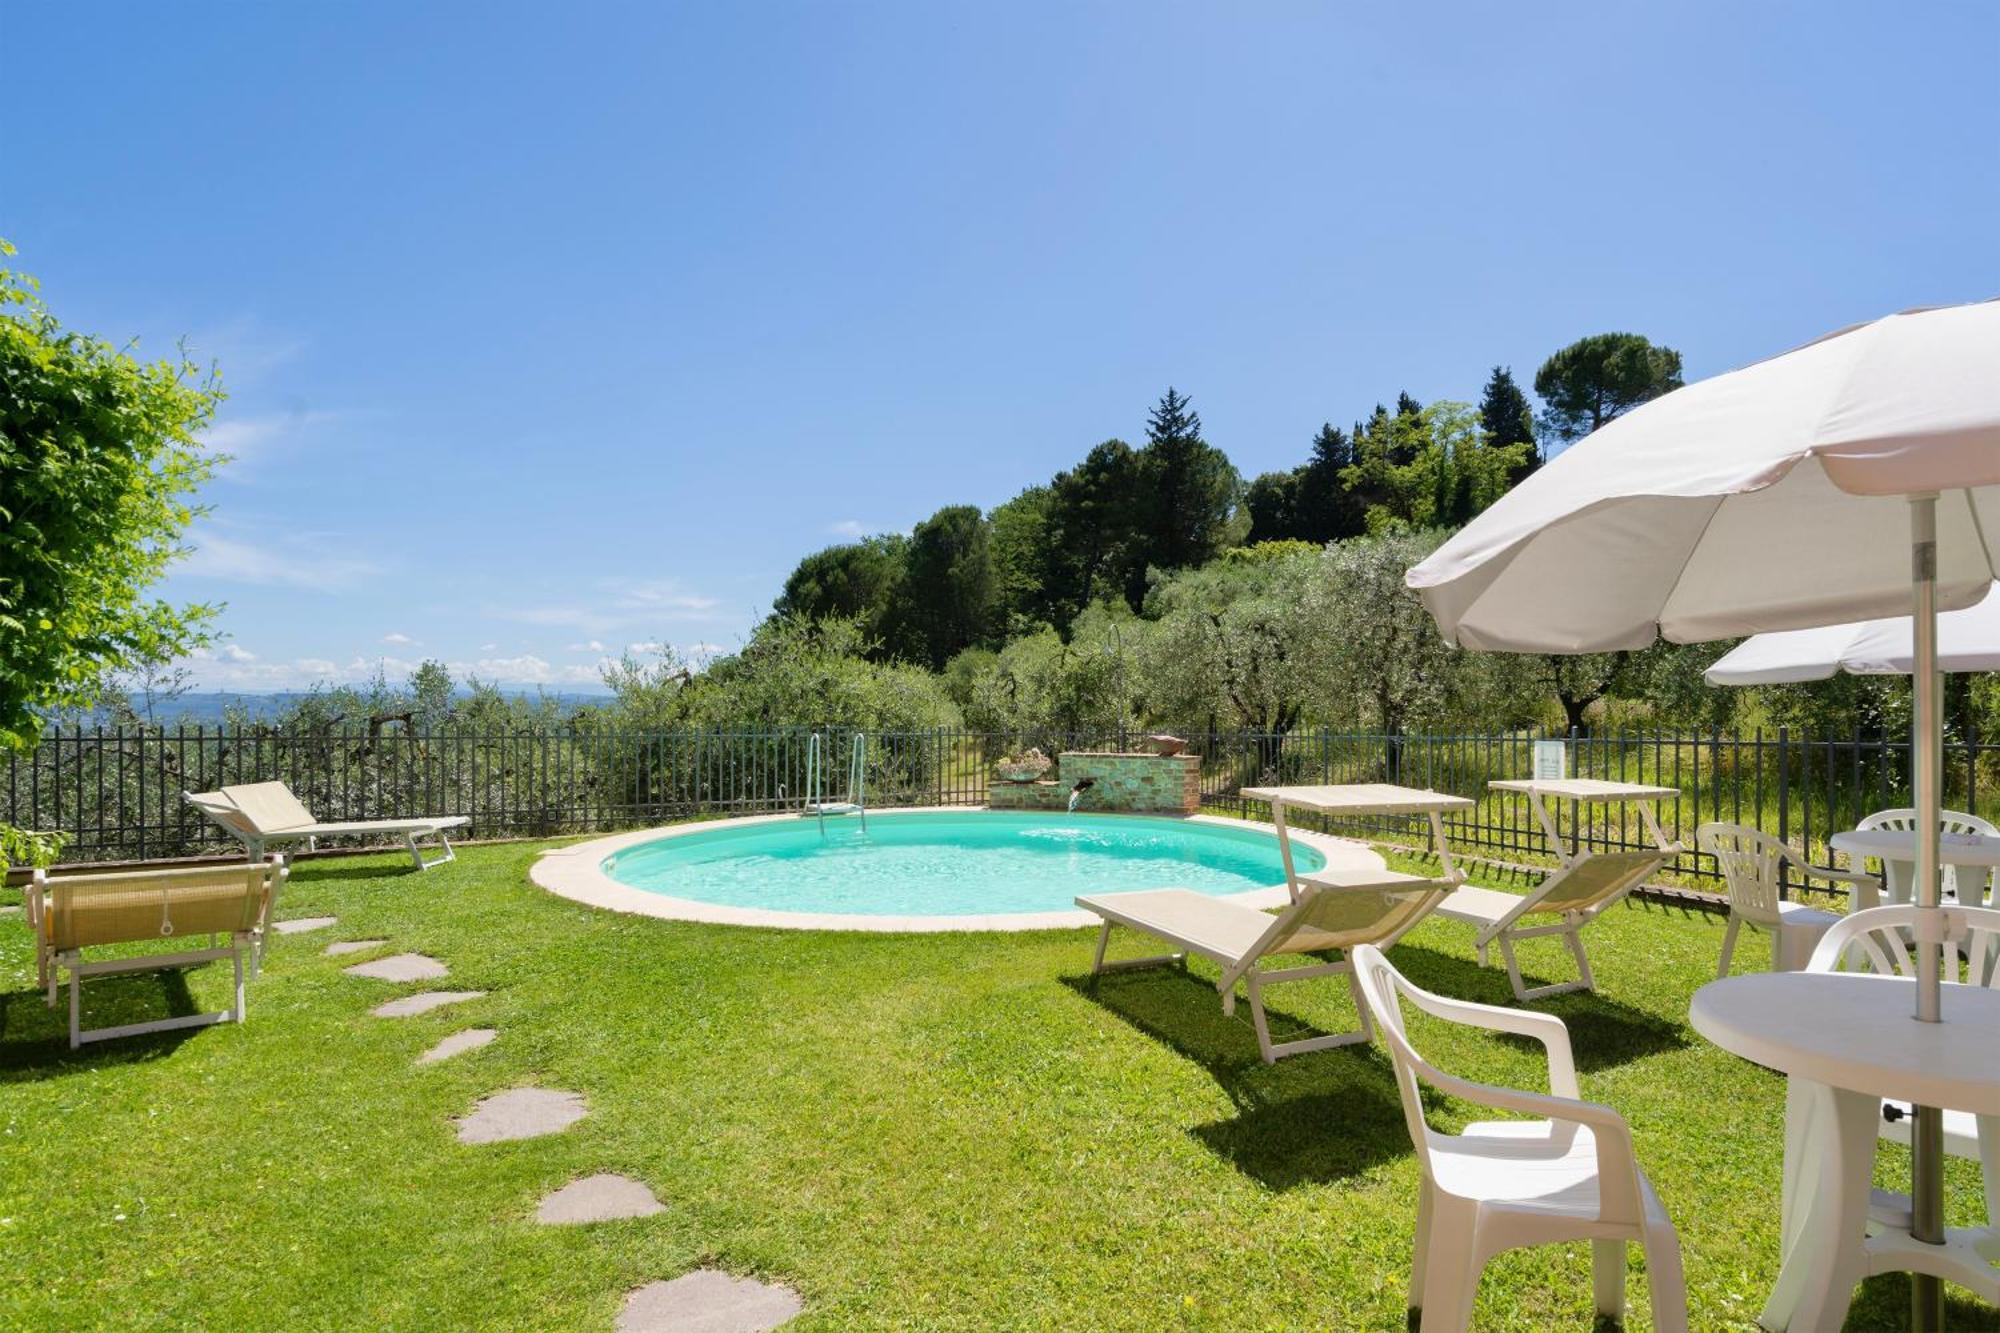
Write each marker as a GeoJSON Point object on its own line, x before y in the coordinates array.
{"type": "Point", "coordinates": [556, 329]}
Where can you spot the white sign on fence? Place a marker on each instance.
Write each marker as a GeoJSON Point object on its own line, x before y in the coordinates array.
{"type": "Point", "coordinates": [1551, 761]}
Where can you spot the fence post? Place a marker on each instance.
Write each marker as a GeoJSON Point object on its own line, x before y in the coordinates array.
{"type": "Point", "coordinates": [1784, 809]}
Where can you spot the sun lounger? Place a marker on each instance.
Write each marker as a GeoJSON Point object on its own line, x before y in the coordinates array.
{"type": "Point", "coordinates": [1329, 914]}
{"type": "Point", "coordinates": [1563, 904]}
{"type": "Point", "coordinates": [266, 814]}
{"type": "Point", "coordinates": [71, 913]}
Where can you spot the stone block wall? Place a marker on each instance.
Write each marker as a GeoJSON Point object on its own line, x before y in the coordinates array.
{"type": "Point", "coordinates": [1129, 782]}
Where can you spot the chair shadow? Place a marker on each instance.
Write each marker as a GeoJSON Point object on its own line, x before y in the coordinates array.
{"type": "Point", "coordinates": [34, 1039]}
{"type": "Point", "coordinates": [1311, 1118]}
{"type": "Point", "coordinates": [1603, 1032]}
{"type": "Point", "coordinates": [314, 872]}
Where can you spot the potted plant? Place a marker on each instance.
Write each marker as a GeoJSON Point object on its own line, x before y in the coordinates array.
{"type": "Point", "coordinates": [1027, 766]}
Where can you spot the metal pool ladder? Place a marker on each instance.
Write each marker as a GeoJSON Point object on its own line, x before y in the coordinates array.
{"type": "Point", "coordinates": [857, 786]}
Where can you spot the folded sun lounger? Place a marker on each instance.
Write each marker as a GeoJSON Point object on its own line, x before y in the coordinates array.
{"type": "Point", "coordinates": [265, 814]}
{"type": "Point", "coordinates": [1330, 913]}
{"type": "Point", "coordinates": [71, 913]}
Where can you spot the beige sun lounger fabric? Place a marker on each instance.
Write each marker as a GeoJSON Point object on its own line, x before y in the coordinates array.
{"type": "Point", "coordinates": [263, 814]}
{"type": "Point", "coordinates": [71, 913]}
{"type": "Point", "coordinates": [1238, 939]}
{"type": "Point", "coordinates": [1573, 896]}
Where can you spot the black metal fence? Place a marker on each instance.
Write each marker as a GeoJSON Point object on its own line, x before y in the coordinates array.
{"type": "Point", "coordinates": [116, 793]}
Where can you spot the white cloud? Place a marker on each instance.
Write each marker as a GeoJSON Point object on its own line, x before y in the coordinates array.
{"type": "Point", "coordinates": [617, 603]}
{"type": "Point", "coordinates": [850, 527]}
{"type": "Point", "coordinates": [588, 646]}
{"type": "Point", "coordinates": [648, 648]}
{"type": "Point", "coordinates": [397, 637]}
{"type": "Point", "coordinates": [237, 653]}
{"type": "Point", "coordinates": [301, 563]}
{"type": "Point", "coordinates": [488, 647]}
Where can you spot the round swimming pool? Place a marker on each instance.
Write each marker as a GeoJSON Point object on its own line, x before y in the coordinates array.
{"type": "Point", "coordinates": [947, 863]}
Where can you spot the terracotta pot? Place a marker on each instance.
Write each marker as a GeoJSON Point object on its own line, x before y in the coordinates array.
{"type": "Point", "coordinates": [1164, 745]}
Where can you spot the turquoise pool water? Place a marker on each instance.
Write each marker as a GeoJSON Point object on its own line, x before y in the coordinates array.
{"type": "Point", "coordinates": [955, 864]}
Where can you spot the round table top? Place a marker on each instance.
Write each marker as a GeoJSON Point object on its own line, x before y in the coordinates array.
{"type": "Point", "coordinates": [1954, 849]}
{"type": "Point", "coordinates": [1859, 1031]}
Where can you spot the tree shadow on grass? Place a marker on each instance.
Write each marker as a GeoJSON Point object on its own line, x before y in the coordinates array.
{"type": "Point", "coordinates": [1308, 1119]}
{"type": "Point", "coordinates": [1603, 1032]}
{"type": "Point", "coordinates": [34, 1039]}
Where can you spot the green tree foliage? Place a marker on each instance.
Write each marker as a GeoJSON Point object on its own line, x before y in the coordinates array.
{"type": "Point", "coordinates": [1229, 646]}
{"type": "Point", "coordinates": [1313, 502]}
{"type": "Point", "coordinates": [1051, 690]}
{"type": "Point", "coordinates": [1019, 534]}
{"type": "Point", "coordinates": [1272, 501]}
{"type": "Point", "coordinates": [1506, 418]}
{"type": "Point", "coordinates": [1434, 467]}
{"type": "Point", "coordinates": [946, 596]}
{"type": "Point", "coordinates": [1095, 549]}
{"type": "Point", "coordinates": [1191, 488]}
{"type": "Point", "coordinates": [100, 457]}
{"type": "Point", "coordinates": [1384, 665]}
{"type": "Point", "coordinates": [1597, 379]}
{"type": "Point", "coordinates": [793, 673]}
{"type": "Point", "coordinates": [852, 581]}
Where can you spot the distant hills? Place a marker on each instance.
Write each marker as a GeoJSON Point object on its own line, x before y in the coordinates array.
{"type": "Point", "coordinates": [211, 708]}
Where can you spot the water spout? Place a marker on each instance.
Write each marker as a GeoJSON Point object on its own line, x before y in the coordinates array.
{"type": "Point", "coordinates": [1076, 792]}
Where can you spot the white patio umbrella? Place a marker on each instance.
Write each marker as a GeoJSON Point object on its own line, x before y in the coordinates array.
{"type": "Point", "coordinates": [1967, 640]}
{"type": "Point", "coordinates": [1857, 476]}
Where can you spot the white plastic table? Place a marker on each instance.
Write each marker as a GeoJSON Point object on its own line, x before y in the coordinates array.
{"type": "Point", "coordinates": [1846, 1041]}
{"type": "Point", "coordinates": [1900, 846]}
{"type": "Point", "coordinates": [1590, 791]}
{"type": "Point", "coordinates": [1360, 798]}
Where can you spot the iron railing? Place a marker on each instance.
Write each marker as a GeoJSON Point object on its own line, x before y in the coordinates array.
{"type": "Point", "coordinates": [116, 792]}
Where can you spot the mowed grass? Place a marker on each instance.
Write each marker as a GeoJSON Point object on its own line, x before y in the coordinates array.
{"type": "Point", "coordinates": [944, 1131]}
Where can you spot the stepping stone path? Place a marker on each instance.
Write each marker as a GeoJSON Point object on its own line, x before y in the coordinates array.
{"type": "Point", "coordinates": [423, 1002]}
{"type": "Point", "coordinates": [708, 1301]}
{"type": "Point", "coordinates": [456, 1044]}
{"type": "Point", "coordinates": [299, 925]}
{"type": "Point", "coordinates": [600, 1198]}
{"type": "Point", "coordinates": [340, 947]}
{"type": "Point", "coordinates": [399, 967]}
{"type": "Point", "coordinates": [520, 1113]}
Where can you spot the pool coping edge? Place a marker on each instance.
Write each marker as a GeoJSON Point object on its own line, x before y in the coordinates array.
{"type": "Point", "coordinates": [574, 873]}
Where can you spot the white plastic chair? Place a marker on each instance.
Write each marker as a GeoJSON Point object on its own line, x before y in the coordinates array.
{"type": "Point", "coordinates": [1750, 861]}
{"type": "Point", "coordinates": [1499, 1185]}
{"type": "Point", "coordinates": [1878, 940]}
{"type": "Point", "coordinates": [1896, 874]}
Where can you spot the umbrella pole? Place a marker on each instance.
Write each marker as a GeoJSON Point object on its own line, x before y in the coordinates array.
{"type": "Point", "coordinates": [1926, 755]}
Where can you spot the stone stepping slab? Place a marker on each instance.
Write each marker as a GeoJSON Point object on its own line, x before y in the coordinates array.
{"type": "Point", "coordinates": [340, 947]}
{"type": "Point", "coordinates": [520, 1113]}
{"type": "Point", "coordinates": [708, 1301]}
{"type": "Point", "coordinates": [299, 925]}
{"type": "Point", "coordinates": [423, 1002]}
{"type": "Point", "coordinates": [399, 967]}
{"type": "Point", "coordinates": [600, 1198]}
{"type": "Point", "coordinates": [457, 1044]}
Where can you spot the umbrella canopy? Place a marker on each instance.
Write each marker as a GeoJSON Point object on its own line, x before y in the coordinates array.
{"type": "Point", "coordinates": [1855, 477]}
{"type": "Point", "coordinates": [1968, 640]}
{"type": "Point", "coordinates": [1757, 500]}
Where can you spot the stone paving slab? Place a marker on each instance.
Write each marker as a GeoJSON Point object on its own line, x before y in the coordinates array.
{"type": "Point", "coordinates": [423, 1002]}
{"type": "Point", "coordinates": [600, 1198]}
{"type": "Point", "coordinates": [340, 947]}
{"type": "Point", "coordinates": [399, 967]}
{"type": "Point", "coordinates": [708, 1301]}
{"type": "Point", "coordinates": [520, 1113]}
{"type": "Point", "coordinates": [298, 925]}
{"type": "Point", "coordinates": [457, 1044]}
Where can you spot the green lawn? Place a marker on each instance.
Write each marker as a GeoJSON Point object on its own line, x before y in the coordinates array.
{"type": "Point", "coordinates": [916, 1131]}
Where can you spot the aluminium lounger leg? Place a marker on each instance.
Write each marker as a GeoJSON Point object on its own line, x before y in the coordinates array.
{"type": "Point", "coordinates": [1099, 966]}
{"type": "Point", "coordinates": [416, 854]}
{"type": "Point", "coordinates": [236, 1014]}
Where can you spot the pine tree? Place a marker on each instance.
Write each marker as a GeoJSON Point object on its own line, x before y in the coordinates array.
{"type": "Point", "coordinates": [1327, 510]}
{"type": "Point", "coordinates": [1507, 419]}
{"type": "Point", "coordinates": [1194, 488]}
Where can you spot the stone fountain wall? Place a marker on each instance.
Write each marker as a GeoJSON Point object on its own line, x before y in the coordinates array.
{"type": "Point", "coordinates": [1128, 782]}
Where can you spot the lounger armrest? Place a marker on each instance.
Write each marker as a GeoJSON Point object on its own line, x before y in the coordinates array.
{"type": "Point", "coordinates": [1549, 1030]}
